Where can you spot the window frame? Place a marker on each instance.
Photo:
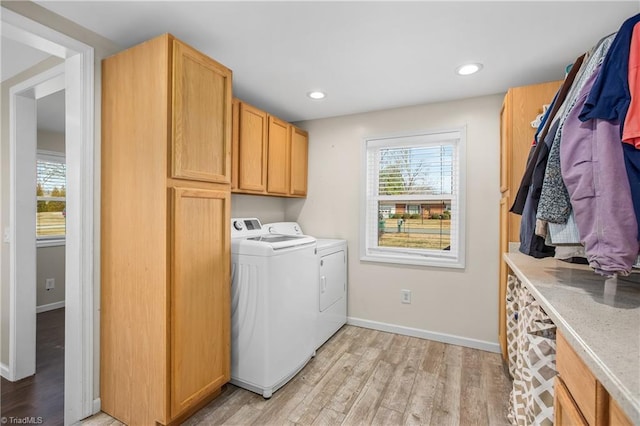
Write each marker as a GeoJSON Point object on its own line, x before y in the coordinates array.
{"type": "Point", "coordinates": [54, 157]}
{"type": "Point", "coordinates": [417, 257]}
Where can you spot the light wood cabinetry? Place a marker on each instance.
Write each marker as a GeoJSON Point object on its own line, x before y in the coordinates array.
{"type": "Point", "coordinates": [269, 155]}
{"type": "Point", "coordinates": [566, 412]}
{"type": "Point", "coordinates": [252, 148]}
{"type": "Point", "coordinates": [165, 237]}
{"type": "Point", "coordinates": [521, 105]}
{"type": "Point", "coordinates": [580, 398]}
{"type": "Point", "coordinates": [299, 161]}
{"type": "Point", "coordinates": [278, 158]}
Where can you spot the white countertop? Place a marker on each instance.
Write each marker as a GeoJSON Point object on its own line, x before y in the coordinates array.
{"type": "Point", "coordinates": [600, 319]}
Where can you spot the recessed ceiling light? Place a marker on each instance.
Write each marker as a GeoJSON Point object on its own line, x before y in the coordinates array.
{"type": "Point", "coordinates": [316, 94]}
{"type": "Point", "coordinates": [468, 69]}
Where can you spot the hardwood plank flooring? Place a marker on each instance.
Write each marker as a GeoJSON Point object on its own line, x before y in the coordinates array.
{"type": "Point", "coordinates": [368, 377]}
{"type": "Point", "coordinates": [40, 396]}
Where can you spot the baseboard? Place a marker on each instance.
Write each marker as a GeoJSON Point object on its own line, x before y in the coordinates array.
{"type": "Point", "coordinates": [97, 405]}
{"type": "Point", "coordinates": [50, 307]}
{"type": "Point", "coordinates": [4, 371]}
{"type": "Point", "coordinates": [425, 334]}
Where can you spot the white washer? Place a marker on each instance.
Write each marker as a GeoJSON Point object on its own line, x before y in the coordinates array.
{"type": "Point", "coordinates": [273, 305]}
{"type": "Point", "coordinates": [332, 280]}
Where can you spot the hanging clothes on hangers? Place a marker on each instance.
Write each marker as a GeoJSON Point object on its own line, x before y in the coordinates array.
{"type": "Point", "coordinates": [554, 205]}
{"type": "Point", "coordinates": [529, 192]}
{"type": "Point", "coordinates": [609, 100]}
{"type": "Point", "coordinates": [631, 130]}
{"type": "Point", "coordinates": [593, 170]}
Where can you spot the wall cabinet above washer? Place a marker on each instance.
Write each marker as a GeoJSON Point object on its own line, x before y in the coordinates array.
{"type": "Point", "coordinates": [269, 155]}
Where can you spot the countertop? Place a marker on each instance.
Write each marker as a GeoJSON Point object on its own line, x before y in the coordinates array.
{"type": "Point", "coordinates": [599, 317]}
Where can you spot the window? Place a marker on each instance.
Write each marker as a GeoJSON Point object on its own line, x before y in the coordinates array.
{"type": "Point", "coordinates": [51, 192]}
{"type": "Point", "coordinates": [413, 199]}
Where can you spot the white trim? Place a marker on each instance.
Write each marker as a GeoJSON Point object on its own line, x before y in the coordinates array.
{"type": "Point", "coordinates": [50, 242]}
{"type": "Point", "coordinates": [22, 211]}
{"type": "Point", "coordinates": [49, 307]}
{"type": "Point", "coordinates": [51, 156]}
{"type": "Point", "coordinates": [4, 370]}
{"type": "Point", "coordinates": [79, 151]}
{"type": "Point", "coordinates": [425, 334]}
{"type": "Point", "coordinates": [97, 406]}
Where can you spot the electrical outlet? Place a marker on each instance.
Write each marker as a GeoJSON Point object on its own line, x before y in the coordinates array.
{"type": "Point", "coordinates": [50, 283]}
{"type": "Point", "coordinates": [405, 296]}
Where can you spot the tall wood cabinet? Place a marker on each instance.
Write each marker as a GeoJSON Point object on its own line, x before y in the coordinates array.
{"type": "Point", "coordinates": [165, 237]}
{"type": "Point", "coordinates": [520, 107]}
{"type": "Point", "coordinates": [270, 156]}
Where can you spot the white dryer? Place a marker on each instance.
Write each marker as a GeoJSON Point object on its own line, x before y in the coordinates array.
{"type": "Point", "coordinates": [332, 280]}
{"type": "Point", "coordinates": [273, 305]}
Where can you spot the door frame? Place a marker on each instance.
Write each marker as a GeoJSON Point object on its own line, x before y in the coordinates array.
{"type": "Point", "coordinates": [81, 237]}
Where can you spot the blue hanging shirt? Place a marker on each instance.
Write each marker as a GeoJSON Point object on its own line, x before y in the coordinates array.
{"type": "Point", "coordinates": [609, 98]}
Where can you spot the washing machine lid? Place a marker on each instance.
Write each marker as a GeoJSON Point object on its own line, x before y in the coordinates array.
{"type": "Point", "coordinates": [282, 240]}
{"type": "Point", "coordinates": [268, 244]}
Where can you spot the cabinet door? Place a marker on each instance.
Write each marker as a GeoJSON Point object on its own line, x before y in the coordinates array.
{"type": "Point", "coordinates": [200, 302]}
{"type": "Point", "coordinates": [566, 412]}
{"type": "Point", "coordinates": [252, 149]}
{"type": "Point", "coordinates": [278, 163]}
{"type": "Point", "coordinates": [299, 159]}
{"type": "Point", "coordinates": [201, 117]}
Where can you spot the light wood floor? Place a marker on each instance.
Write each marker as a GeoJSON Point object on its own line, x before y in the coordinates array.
{"type": "Point", "coordinates": [368, 377]}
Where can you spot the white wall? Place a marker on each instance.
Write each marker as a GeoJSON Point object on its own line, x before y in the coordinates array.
{"type": "Point", "coordinates": [459, 303]}
{"type": "Point", "coordinates": [267, 209]}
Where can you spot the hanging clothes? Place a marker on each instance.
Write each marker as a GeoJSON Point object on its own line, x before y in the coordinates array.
{"type": "Point", "coordinates": [609, 100]}
{"type": "Point", "coordinates": [593, 170]}
{"type": "Point", "coordinates": [631, 131]}
{"type": "Point", "coordinates": [609, 97]}
{"type": "Point", "coordinates": [530, 243]}
{"type": "Point", "coordinates": [554, 205]}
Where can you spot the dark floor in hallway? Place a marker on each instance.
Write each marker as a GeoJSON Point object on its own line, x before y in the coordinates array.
{"type": "Point", "coordinates": [40, 396]}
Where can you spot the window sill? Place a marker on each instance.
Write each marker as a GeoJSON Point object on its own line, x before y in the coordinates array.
{"type": "Point", "coordinates": [53, 242]}
{"type": "Point", "coordinates": [415, 261]}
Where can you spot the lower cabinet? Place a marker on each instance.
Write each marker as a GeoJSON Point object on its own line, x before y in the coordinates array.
{"type": "Point", "coordinates": [551, 383]}
{"type": "Point", "coordinates": [566, 411]}
{"type": "Point", "coordinates": [200, 296]}
{"type": "Point", "coordinates": [580, 397]}
{"type": "Point", "coordinates": [165, 306]}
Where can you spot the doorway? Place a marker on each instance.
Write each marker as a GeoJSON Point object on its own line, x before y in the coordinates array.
{"type": "Point", "coordinates": [19, 232]}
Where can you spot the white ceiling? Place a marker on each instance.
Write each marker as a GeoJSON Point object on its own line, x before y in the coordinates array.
{"type": "Point", "coordinates": [365, 55]}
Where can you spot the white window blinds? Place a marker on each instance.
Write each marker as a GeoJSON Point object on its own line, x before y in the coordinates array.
{"type": "Point", "coordinates": [413, 199]}
{"type": "Point", "coordinates": [51, 193]}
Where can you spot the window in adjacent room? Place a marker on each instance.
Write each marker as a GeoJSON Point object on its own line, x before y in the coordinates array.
{"type": "Point", "coordinates": [51, 189]}
{"type": "Point", "coordinates": [413, 201]}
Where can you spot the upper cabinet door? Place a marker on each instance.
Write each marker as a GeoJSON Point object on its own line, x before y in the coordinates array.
{"type": "Point", "coordinates": [201, 117]}
{"type": "Point", "coordinates": [299, 158]}
{"type": "Point", "coordinates": [278, 158]}
{"type": "Point", "coordinates": [252, 149]}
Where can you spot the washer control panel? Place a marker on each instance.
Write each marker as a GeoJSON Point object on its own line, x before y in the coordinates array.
{"type": "Point", "coordinates": [244, 226]}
